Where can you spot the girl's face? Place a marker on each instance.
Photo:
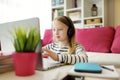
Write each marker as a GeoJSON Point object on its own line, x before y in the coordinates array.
{"type": "Point", "coordinates": [60, 31]}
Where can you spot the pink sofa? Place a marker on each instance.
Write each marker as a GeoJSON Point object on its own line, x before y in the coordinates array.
{"type": "Point", "coordinates": [102, 44]}
{"type": "Point", "coordinates": [104, 39]}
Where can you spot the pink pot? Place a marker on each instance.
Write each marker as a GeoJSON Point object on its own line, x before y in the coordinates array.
{"type": "Point", "coordinates": [25, 63]}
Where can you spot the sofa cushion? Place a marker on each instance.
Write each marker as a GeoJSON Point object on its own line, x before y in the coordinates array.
{"type": "Point", "coordinates": [116, 43]}
{"type": "Point", "coordinates": [47, 37]}
{"type": "Point", "coordinates": [96, 39]}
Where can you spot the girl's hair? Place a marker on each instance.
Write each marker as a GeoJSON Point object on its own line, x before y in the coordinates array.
{"type": "Point", "coordinates": [71, 32]}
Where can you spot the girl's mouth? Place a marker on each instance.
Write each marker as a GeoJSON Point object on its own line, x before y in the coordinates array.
{"type": "Point", "coordinates": [57, 36]}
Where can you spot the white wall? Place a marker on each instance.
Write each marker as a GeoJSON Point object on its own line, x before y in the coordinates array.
{"type": "Point", "coordinates": [12, 10]}
{"type": "Point", "coordinates": [117, 13]}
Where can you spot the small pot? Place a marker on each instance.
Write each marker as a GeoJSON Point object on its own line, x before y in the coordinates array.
{"type": "Point", "coordinates": [25, 63]}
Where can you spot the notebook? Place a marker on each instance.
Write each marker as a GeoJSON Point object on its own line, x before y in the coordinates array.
{"type": "Point", "coordinates": [7, 46]}
{"type": "Point", "coordinates": [87, 67]}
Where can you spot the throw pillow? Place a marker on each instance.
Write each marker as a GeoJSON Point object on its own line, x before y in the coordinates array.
{"type": "Point", "coordinates": [47, 37]}
{"type": "Point", "coordinates": [116, 43]}
{"type": "Point", "coordinates": [96, 39]}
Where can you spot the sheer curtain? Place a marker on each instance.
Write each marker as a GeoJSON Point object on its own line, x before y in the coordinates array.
{"type": "Point", "coordinates": [12, 10]}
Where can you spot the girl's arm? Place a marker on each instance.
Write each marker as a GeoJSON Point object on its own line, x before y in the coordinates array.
{"type": "Point", "coordinates": [50, 53]}
{"type": "Point", "coordinates": [78, 56]}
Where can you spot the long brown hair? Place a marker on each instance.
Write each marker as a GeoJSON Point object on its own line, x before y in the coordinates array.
{"type": "Point", "coordinates": [71, 32]}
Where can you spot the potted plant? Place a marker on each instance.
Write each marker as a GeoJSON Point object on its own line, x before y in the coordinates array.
{"type": "Point", "coordinates": [25, 43]}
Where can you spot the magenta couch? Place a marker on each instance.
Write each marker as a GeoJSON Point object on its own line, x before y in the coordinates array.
{"type": "Point", "coordinates": [102, 44]}
{"type": "Point", "coordinates": [100, 39]}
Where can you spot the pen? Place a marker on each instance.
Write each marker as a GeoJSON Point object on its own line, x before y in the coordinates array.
{"type": "Point", "coordinates": [107, 68]}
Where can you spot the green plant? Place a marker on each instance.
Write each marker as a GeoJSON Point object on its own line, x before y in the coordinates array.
{"type": "Point", "coordinates": [25, 40]}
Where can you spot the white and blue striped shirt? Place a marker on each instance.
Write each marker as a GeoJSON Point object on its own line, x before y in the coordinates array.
{"type": "Point", "coordinates": [65, 57]}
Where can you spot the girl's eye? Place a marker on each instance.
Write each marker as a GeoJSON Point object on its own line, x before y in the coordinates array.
{"type": "Point", "coordinates": [60, 29]}
{"type": "Point", "coordinates": [57, 29]}
{"type": "Point", "coordinates": [53, 29]}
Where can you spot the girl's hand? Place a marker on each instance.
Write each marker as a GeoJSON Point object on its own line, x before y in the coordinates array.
{"type": "Point", "coordinates": [50, 53]}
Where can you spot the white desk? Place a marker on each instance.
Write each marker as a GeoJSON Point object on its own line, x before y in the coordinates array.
{"type": "Point", "coordinates": [53, 74]}
{"type": "Point", "coordinates": [59, 74]}
{"type": "Point", "coordinates": [106, 74]}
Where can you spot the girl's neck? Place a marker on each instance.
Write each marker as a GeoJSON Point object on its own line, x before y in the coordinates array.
{"type": "Point", "coordinates": [63, 44]}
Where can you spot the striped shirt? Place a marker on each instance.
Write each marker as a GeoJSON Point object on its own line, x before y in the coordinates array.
{"type": "Point", "coordinates": [65, 57]}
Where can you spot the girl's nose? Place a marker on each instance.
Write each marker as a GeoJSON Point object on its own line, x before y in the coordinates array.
{"type": "Point", "coordinates": [56, 32]}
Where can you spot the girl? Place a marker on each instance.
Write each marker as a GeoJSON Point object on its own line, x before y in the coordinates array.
{"type": "Point", "coordinates": [64, 48]}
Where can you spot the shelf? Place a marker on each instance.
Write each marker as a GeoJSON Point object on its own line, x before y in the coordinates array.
{"type": "Point", "coordinates": [58, 7]}
{"type": "Point", "coordinates": [76, 20]}
{"type": "Point", "coordinates": [99, 24]}
{"type": "Point", "coordinates": [78, 25]}
{"type": "Point", "coordinates": [81, 15]}
{"type": "Point", "coordinates": [93, 17]}
{"type": "Point", "coordinates": [73, 9]}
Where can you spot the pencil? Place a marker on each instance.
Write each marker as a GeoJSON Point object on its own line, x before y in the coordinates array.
{"type": "Point", "coordinates": [107, 68]}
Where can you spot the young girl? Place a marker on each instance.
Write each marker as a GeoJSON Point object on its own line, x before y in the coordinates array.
{"type": "Point", "coordinates": [64, 48]}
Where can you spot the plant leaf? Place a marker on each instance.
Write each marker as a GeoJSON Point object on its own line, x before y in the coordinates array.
{"type": "Point", "coordinates": [29, 42]}
{"type": "Point", "coordinates": [26, 41]}
{"type": "Point", "coordinates": [36, 40]}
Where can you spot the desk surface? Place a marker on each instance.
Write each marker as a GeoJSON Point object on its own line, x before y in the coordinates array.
{"type": "Point", "coordinates": [52, 74]}
{"type": "Point", "coordinates": [57, 74]}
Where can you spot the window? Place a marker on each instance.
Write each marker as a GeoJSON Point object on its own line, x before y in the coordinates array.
{"type": "Point", "coordinates": [12, 10]}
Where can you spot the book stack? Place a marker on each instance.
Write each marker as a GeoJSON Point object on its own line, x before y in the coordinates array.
{"type": "Point", "coordinates": [58, 12]}
{"type": "Point", "coordinates": [6, 63]}
{"type": "Point", "coordinates": [57, 2]}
